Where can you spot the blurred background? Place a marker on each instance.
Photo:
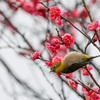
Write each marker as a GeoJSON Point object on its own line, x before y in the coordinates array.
{"type": "Point", "coordinates": [25, 27]}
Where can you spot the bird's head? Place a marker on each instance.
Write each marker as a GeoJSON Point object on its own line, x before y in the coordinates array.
{"type": "Point", "coordinates": [57, 67]}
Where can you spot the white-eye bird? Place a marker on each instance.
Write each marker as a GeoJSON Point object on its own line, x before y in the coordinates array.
{"type": "Point", "coordinates": [71, 62]}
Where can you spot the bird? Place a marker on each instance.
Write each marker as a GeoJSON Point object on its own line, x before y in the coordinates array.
{"type": "Point", "coordinates": [72, 62]}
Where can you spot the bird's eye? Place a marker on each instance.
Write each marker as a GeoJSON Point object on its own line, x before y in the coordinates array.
{"type": "Point", "coordinates": [54, 66]}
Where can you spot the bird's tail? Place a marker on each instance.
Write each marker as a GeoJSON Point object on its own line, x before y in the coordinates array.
{"type": "Point", "coordinates": [95, 56]}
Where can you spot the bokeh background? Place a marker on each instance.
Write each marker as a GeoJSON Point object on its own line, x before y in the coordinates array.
{"type": "Point", "coordinates": [22, 33]}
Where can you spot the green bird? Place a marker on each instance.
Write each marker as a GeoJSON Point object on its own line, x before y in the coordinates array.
{"type": "Point", "coordinates": [71, 62]}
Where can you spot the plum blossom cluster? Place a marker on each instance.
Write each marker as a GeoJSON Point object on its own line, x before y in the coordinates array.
{"type": "Point", "coordinates": [85, 71]}
{"type": "Point", "coordinates": [51, 48]}
{"type": "Point", "coordinates": [55, 45]}
{"type": "Point", "coordinates": [67, 39]}
{"type": "Point", "coordinates": [91, 95]}
{"type": "Point", "coordinates": [31, 7]}
{"type": "Point", "coordinates": [15, 4]}
{"type": "Point", "coordinates": [70, 14]}
{"type": "Point", "coordinates": [93, 26]}
{"type": "Point", "coordinates": [54, 13]}
{"type": "Point", "coordinates": [72, 84]}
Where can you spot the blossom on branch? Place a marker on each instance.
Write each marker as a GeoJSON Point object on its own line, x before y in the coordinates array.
{"type": "Point", "coordinates": [35, 55]}
{"type": "Point", "coordinates": [56, 59]}
{"type": "Point", "coordinates": [95, 39]}
{"type": "Point", "coordinates": [68, 40]}
{"type": "Point", "coordinates": [57, 74]}
{"type": "Point", "coordinates": [51, 48]}
{"type": "Point", "coordinates": [93, 25]}
{"type": "Point", "coordinates": [84, 14]}
{"type": "Point", "coordinates": [28, 7]}
{"type": "Point", "coordinates": [90, 95]}
{"type": "Point", "coordinates": [54, 12]}
{"type": "Point", "coordinates": [58, 21]}
{"type": "Point", "coordinates": [49, 64]}
{"type": "Point", "coordinates": [71, 14]}
{"type": "Point", "coordinates": [85, 71]}
{"type": "Point", "coordinates": [72, 84]}
{"type": "Point", "coordinates": [40, 10]}
{"type": "Point", "coordinates": [75, 13]}
{"type": "Point", "coordinates": [55, 41]}
{"type": "Point", "coordinates": [69, 75]}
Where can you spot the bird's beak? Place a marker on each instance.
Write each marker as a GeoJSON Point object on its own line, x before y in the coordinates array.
{"type": "Point", "coordinates": [50, 71]}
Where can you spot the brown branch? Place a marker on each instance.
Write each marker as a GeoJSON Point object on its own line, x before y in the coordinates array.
{"type": "Point", "coordinates": [22, 83]}
{"type": "Point", "coordinates": [92, 77]}
{"type": "Point", "coordinates": [88, 88]}
{"type": "Point", "coordinates": [88, 12]}
{"type": "Point", "coordinates": [16, 30]}
{"type": "Point", "coordinates": [87, 46]}
{"type": "Point", "coordinates": [59, 35]}
{"type": "Point", "coordinates": [71, 88]}
{"type": "Point", "coordinates": [62, 89]}
{"type": "Point", "coordinates": [75, 28]}
{"type": "Point", "coordinates": [82, 84]}
{"type": "Point", "coordinates": [85, 86]}
{"type": "Point", "coordinates": [49, 81]}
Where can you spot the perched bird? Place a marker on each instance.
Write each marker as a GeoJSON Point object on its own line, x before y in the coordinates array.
{"type": "Point", "coordinates": [71, 62]}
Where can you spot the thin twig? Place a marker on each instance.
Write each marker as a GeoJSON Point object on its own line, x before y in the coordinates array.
{"type": "Point", "coordinates": [86, 46]}
{"type": "Point", "coordinates": [75, 28]}
{"type": "Point", "coordinates": [88, 12]}
{"type": "Point", "coordinates": [22, 83]}
{"type": "Point", "coordinates": [88, 88]}
{"type": "Point", "coordinates": [17, 30]}
{"type": "Point", "coordinates": [71, 88]}
{"type": "Point", "coordinates": [92, 77]}
{"type": "Point", "coordinates": [48, 80]}
{"type": "Point", "coordinates": [64, 98]}
{"type": "Point", "coordinates": [82, 84]}
{"type": "Point", "coordinates": [59, 35]}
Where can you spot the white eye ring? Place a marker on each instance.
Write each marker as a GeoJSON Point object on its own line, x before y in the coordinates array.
{"type": "Point", "coordinates": [54, 66]}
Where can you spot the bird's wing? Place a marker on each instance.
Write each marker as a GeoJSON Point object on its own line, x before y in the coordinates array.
{"type": "Point", "coordinates": [81, 64]}
{"type": "Point", "coordinates": [75, 66]}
